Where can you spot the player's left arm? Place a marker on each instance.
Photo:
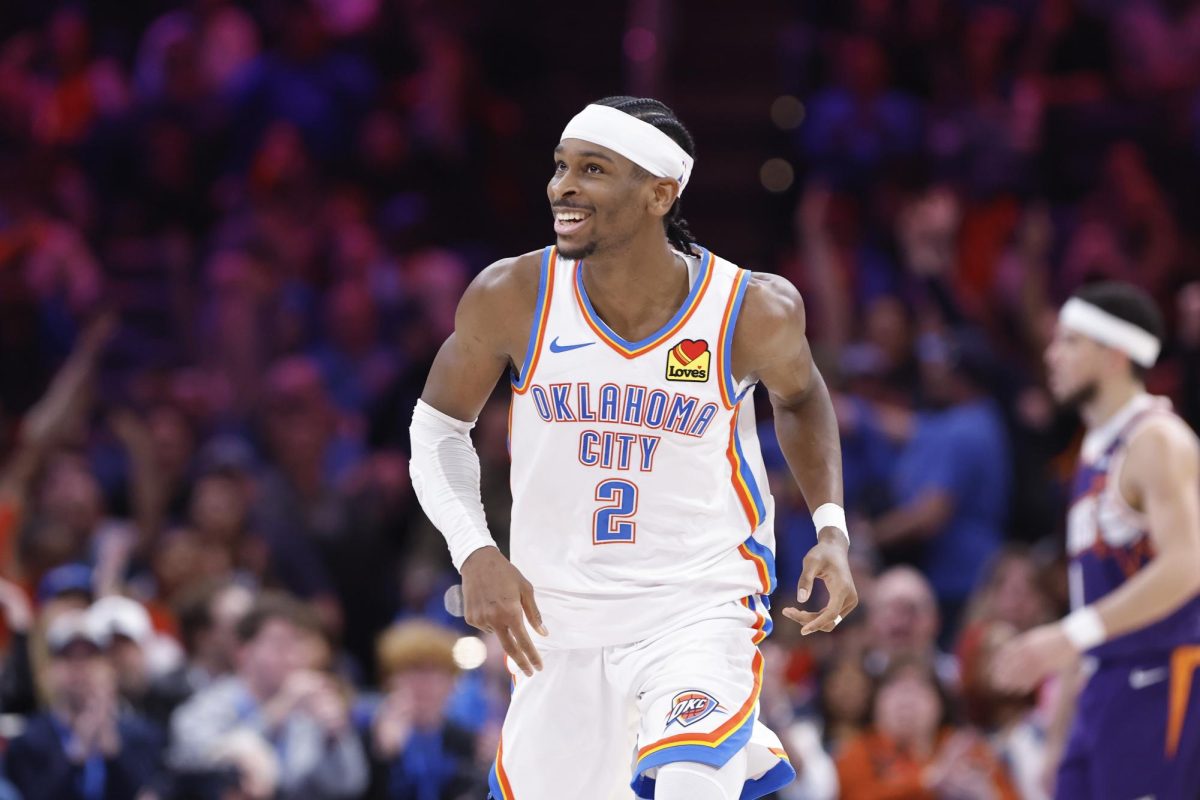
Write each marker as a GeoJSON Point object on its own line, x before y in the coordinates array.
{"type": "Point", "coordinates": [770, 345]}
{"type": "Point", "coordinates": [1161, 475]}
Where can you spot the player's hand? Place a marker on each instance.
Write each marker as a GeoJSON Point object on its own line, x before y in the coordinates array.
{"type": "Point", "coordinates": [497, 598]}
{"type": "Point", "coordinates": [1024, 662]}
{"type": "Point", "coordinates": [828, 560]}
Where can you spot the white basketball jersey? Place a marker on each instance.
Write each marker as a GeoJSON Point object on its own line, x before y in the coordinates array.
{"type": "Point", "coordinates": [639, 492]}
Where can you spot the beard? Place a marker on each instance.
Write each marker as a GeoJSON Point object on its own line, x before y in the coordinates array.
{"type": "Point", "coordinates": [579, 253]}
{"type": "Point", "coordinates": [1081, 396]}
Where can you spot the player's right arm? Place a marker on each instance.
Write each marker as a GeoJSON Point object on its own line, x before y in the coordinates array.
{"type": "Point", "coordinates": [491, 330]}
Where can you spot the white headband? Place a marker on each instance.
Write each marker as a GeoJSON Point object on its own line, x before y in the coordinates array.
{"type": "Point", "coordinates": [1140, 345]}
{"type": "Point", "coordinates": [640, 142]}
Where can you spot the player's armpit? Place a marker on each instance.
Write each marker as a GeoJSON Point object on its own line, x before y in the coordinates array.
{"type": "Point", "coordinates": [491, 331]}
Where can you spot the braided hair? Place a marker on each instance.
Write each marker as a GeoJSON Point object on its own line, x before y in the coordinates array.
{"type": "Point", "coordinates": [657, 114]}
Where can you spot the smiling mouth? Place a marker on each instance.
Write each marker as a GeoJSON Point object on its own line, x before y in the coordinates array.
{"type": "Point", "coordinates": [570, 220]}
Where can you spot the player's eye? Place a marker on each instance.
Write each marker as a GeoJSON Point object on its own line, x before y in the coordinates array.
{"type": "Point", "coordinates": [559, 166]}
{"type": "Point", "coordinates": [595, 169]}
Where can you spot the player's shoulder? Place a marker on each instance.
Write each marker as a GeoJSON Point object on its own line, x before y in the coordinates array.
{"type": "Point", "coordinates": [771, 304]}
{"type": "Point", "coordinates": [507, 285]}
{"type": "Point", "coordinates": [516, 275]}
{"type": "Point", "coordinates": [1164, 440]}
{"type": "Point", "coordinates": [501, 299]}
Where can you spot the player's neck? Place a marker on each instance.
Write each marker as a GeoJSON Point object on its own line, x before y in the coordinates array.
{"type": "Point", "coordinates": [638, 288]}
{"type": "Point", "coordinates": [1110, 399]}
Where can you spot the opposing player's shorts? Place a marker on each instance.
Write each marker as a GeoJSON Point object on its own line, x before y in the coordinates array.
{"type": "Point", "coordinates": [1136, 732]}
{"type": "Point", "coordinates": [596, 724]}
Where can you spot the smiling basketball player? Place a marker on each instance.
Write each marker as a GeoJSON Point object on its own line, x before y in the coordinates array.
{"type": "Point", "coordinates": [642, 533]}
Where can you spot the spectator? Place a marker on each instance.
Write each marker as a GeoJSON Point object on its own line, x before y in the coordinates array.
{"type": "Point", "coordinates": [951, 479]}
{"type": "Point", "coordinates": [1010, 600]}
{"type": "Point", "coordinates": [208, 620]}
{"type": "Point", "coordinates": [220, 519]}
{"type": "Point", "coordinates": [844, 702]}
{"type": "Point", "coordinates": [1016, 725]}
{"type": "Point", "coordinates": [325, 513]}
{"type": "Point", "coordinates": [416, 753]}
{"type": "Point", "coordinates": [83, 747]}
{"type": "Point", "coordinates": [17, 691]}
{"type": "Point", "coordinates": [276, 696]}
{"type": "Point", "coordinates": [136, 653]}
{"type": "Point", "coordinates": [902, 625]}
{"type": "Point", "coordinates": [912, 749]}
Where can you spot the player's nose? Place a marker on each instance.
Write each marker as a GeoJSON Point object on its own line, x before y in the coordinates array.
{"type": "Point", "coordinates": [562, 185]}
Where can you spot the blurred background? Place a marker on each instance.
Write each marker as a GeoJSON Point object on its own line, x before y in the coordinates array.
{"type": "Point", "coordinates": [233, 235]}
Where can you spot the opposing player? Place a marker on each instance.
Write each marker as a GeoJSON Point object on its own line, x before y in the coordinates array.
{"type": "Point", "coordinates": [1133, 533]}
{"type": "Point", "coordinates": [642, 531]}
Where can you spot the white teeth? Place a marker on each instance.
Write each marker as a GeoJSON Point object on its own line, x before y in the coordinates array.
{"type": "Point", "coordinates": [564, 216]}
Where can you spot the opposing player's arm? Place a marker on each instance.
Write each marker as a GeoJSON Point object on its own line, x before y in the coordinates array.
{"type": "Point", "coordinates": [770, 345]}
{"type": "Point", "coordinates": [491, 326]}
{"type": "Point", "coordinates": [1161, 474]}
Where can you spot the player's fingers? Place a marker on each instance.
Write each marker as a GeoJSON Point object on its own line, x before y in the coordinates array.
{"type": "Point", "coordinates": [799, 615]}
{"type": "Point", "coordinates": [509, 643]}
{"type": "Point", "coordinates": [531, 610]}
{"type": "Point", "coordinates": [807, 576]}
{"type": "Point", "coordinates": [847, 594]}
{"type": "Point", "coordinates": [827, 620]}
{"type": "Point", "coordinates": [521, 635]}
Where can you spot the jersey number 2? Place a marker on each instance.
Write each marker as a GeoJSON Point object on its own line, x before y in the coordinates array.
{"type": "Point", "coordinates": [611, 523]}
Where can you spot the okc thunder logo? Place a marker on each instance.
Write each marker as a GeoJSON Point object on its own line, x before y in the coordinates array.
{"type": "Point", "coordinates": [692, 706]}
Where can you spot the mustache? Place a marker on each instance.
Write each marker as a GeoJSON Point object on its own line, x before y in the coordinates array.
{"type": "Point", "coordinates": [564, 206]}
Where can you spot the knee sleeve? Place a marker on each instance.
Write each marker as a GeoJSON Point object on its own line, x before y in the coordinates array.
{"type": "Point", "coordinates": [688, 780]}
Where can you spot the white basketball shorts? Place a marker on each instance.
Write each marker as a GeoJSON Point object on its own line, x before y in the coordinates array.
{"type": "Point", "coordinates": [597, 723]}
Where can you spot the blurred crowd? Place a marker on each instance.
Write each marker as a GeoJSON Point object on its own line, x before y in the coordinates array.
{"type": "Point", "coordinates": [232, 237]}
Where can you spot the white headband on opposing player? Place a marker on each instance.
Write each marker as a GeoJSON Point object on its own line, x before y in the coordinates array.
{"type": "Point", "coordinates": [640, 142]}
{"type": "Point", "coordinates": [1080, 316]}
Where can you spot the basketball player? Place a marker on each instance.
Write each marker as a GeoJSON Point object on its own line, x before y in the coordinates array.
{"type": "Point", "coordinates": [1133, 535]}
{"type": "Point", "coordinates": [642, 533]}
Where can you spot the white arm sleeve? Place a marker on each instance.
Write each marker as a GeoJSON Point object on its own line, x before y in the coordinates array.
{"type": "Point", "coordinates": [445, 475]}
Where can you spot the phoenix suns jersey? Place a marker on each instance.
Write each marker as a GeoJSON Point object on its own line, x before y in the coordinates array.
{"type": "Point", "coordinates": [639, 492]}
{"type": "Point", "coordinates": [1109, 542]}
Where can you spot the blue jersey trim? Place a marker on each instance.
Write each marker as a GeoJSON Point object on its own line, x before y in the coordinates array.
{"type": "Point", "coordinates": [743, 280]}
{"type": "Point", "coordinates": [760, 550]}
{"type": "Point", "coordinates": [705, 266]}
{"type": "Point", "coordinates": [539, 310]}
{"type": "Point", "coordinates": [748, 476]}
{"type": "Point", "coordinates": [772, 780]}
{"type": "Point", "coordinates": [712, 756]}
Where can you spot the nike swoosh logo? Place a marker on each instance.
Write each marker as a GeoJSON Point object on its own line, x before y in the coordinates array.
{"type": "Point", "coordinates": [555, 347]}
{"type": "Point", "coordinates": [1141, 678]}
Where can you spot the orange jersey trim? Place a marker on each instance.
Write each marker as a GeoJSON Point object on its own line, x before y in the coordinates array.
{"type": "Point", "coordinates": [725, 339]}
{"type": "Point", "coordinates": [1184, 663]}
{"type": "Point", "coordinates": [501, 775]}
{"type": "Point", "coordinates": [540, 315]}
{"type": "Point", "coordinates": [740, 487]}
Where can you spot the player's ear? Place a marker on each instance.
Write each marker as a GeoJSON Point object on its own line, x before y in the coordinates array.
{"type": "Point", "coordinates": [663, 192]}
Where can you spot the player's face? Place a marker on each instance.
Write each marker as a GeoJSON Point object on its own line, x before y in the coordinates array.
{"type": "Point", "coordinates": [594, 198]}
{"type": "Point", "coordinates": [1073, 365]}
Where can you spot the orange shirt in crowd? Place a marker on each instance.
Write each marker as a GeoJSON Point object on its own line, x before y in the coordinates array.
{"type": "Point", "coordinates": [872, 767]}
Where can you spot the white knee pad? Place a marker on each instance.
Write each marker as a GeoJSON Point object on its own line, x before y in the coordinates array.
{"type": "Point", "coordinates": [689, 780]}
